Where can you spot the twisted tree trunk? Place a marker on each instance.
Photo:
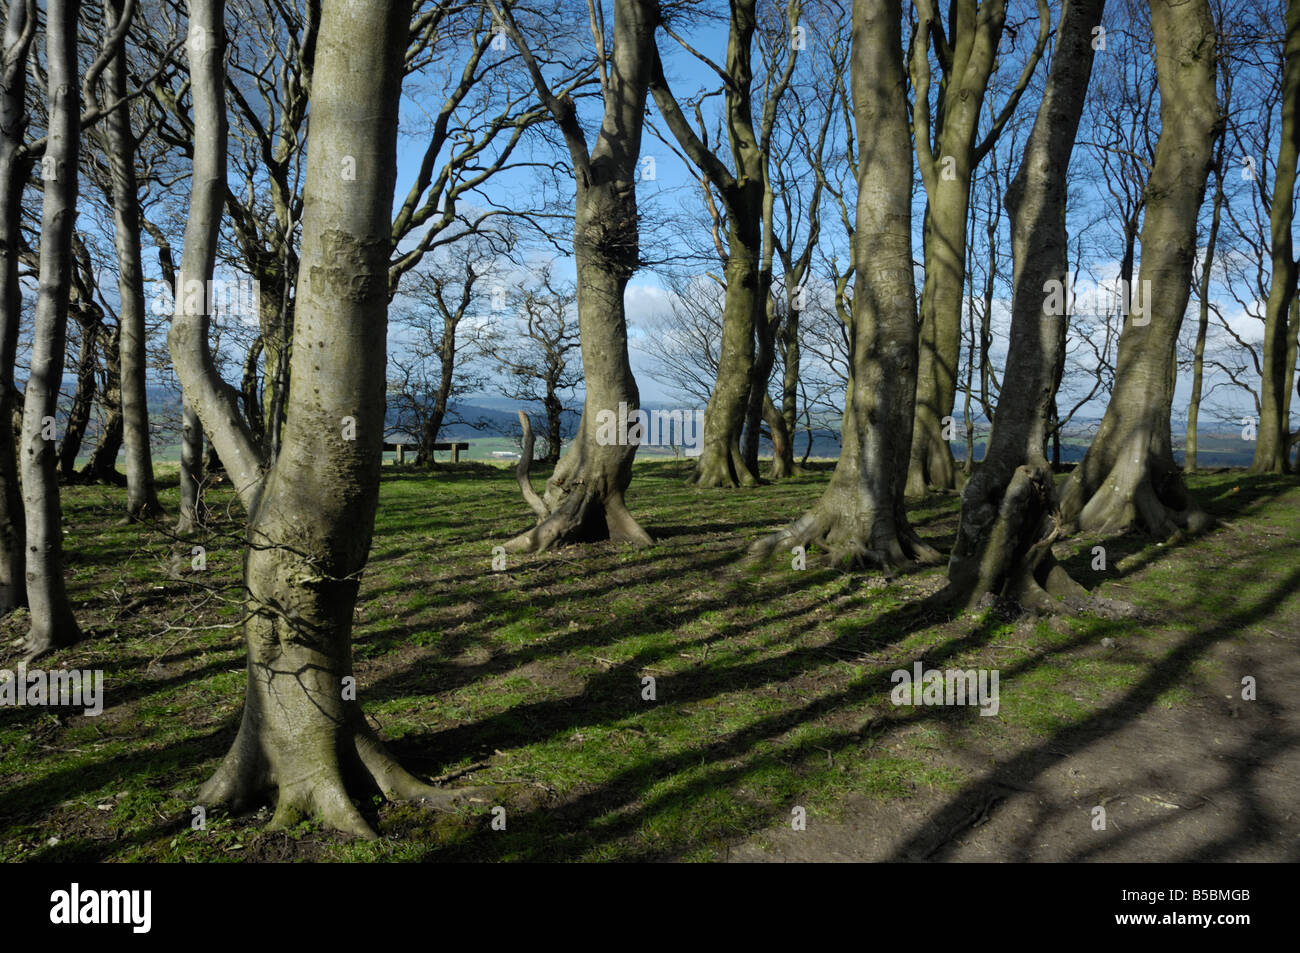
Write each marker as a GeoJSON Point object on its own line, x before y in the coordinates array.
{"type": "Point", "coordinates": [1008, 522]}
{"type": "Point", "coordinates": [1128, 476]}
{"type": "Point", "coordinates": [584, 496]}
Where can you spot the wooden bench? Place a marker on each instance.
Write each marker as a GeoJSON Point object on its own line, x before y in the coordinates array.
{"type": "Point", "coordinates": [455, 448]}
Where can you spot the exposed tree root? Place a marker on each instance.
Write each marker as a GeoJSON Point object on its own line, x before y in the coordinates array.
{"type": "Point", "coordinates": [852, 539]}
{"type": "Point", "coordinates": [1004, 548]}
{"type": "Point", "coordinates": [309, 780]}
{"type": "Point", "coordinates": [583, 516]}
{"type": "Point", "coordinates": [573, 511]}
{"type": "Point", "coordinates": [1138, 491]}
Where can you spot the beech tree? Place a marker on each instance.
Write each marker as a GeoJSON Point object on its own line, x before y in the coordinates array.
{"type": "Point", "coordinates": [860, 518]}
{"type": "Point", "coordinates": [1128, 476]}
{"type": "Point", "coordinates": [1273, 446]}
{"type": "Point", "coordinates": [52, 622]}
{"type": "Point", "coordinates": [948, 148]}
{"type": "Point", "coordinates": [534, 353]}
{"type": "Point", "coordinates": [746, 194]}
{"type": "Point", "coordinates": [1007, 523]}
{"type": "Point", "coordinates": [584, 496]}
{"type": "Point", "coordinates": [120, 150]}
{"type": "Point", "coordinates": [311, 512]}
{"type": "Point", "coordinates": [19, 31]}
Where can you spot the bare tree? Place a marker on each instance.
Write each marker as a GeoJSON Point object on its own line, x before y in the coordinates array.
{"type": "Point", "coordinates": [19, 29]}
{"type": "Point", "coordinates": [311, 512]}
{"type": "Point", "coordinates": [436, 357]}
{"type": "Point", "coordinates": [1008, 518]}
{"type": "Point", "coordinates": [52, 622]}
{"type": "Point", "coordinates": [948, 148]}
{"type": "Point", "coordinates": [537, 355]}
{"type": "Point", "coordinates": [860, 518]}
{"type": "Point", "coordinates": [1128, 476]}
{"type": "Point", "coordinates": [584, 496]}
{"type": "Point", "coordinates": [120, 149]}
{"type": "Point", "coordinates": [746, 194]}
{"type": "Point", "coordinates": [1273, 446]}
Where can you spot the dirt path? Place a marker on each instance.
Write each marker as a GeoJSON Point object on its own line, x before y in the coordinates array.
{"type": "Point", "coordinates": [1213, 778]}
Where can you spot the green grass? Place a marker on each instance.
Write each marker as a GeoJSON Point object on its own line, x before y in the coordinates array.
{"type": "Point", "coordinates": [771, 685]}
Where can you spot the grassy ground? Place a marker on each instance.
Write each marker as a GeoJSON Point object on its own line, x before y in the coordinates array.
{"type": "Point", "coordinates": [771, 686]}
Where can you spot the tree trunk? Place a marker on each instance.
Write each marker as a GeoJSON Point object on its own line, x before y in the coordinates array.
{"type": "Point", "coordinates": [746, 192]}
{"type": "Point", "coordinates": [932, 464]}
{"type": "Point", "coordinates": [1203, 319]}
{"type": "Point", "coordinates": [192, 514]}
{"type": "Point", "coordinates": [277, 335]}
{"type": "Point", "coordinates": [760, 374]}
{"type": "Point", "coordinates": [1007, 526]}
{"type": "Point", "coordinates": [554, 418]}
{"type": "Point", "coordinates": [860, 518]}
{"type": "Point", "coordinates": [1128, 476]}
{"type": "Point", "coordinates": [14, 169]}
{"type": "Point", "coordinates": [947, 166]}
{"type": "Point", "coordinates": [584, 496]}
{"type": "Point", "coordinates": [722, 462]}
{"type": "Point", "coordinates": [782, 446]}
{"type": "Point", "coordinates": [1272, 448]}
{"type": "Point", "coordinates": [88, 318]}
{"type": "Point", "coordinates": [249, 392]}
{"type": "Point", "coordinates": [312, 516]}
{"type": "Point", "coordinates": [790, 358]}
{"type": "Point", "coordinates": [52, 622]}
{"type": "Point", "coordinates": [102, 466]}
{"type": "Point", "coordinates": [141, 494]}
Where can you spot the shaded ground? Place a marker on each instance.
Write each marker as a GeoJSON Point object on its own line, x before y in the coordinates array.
{"type": "Point", "coordinates": [771, 692]}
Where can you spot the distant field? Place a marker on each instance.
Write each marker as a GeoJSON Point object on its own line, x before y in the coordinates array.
{"type": "Point", "coordinates": [1215, 450]}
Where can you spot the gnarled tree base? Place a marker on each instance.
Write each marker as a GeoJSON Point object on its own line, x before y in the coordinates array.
{"type": "Point", "coordinates": [853, 535]}
{"type": "Point", "coordinates": [721, 471]}
{"type": "Point", "coordinates": [932, 466]}
{"type": "Point", "coordinates": [575, 510]}
{"type": "Point", "coordinates": [1004, 548]}
{"type": "Point", "coordinates": [584, 516]}
{"type": "Point", "coordinates": [309, 778]}
{"type": "Point", "coordinates": [1139, 491]}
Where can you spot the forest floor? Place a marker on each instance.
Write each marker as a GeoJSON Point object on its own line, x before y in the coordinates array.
{"type": "Point", "coordinates": [771, 691]}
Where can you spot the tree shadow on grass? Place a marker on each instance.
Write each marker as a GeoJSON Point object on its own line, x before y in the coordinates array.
{"type": "Point", "coordinates": [606, 815]}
